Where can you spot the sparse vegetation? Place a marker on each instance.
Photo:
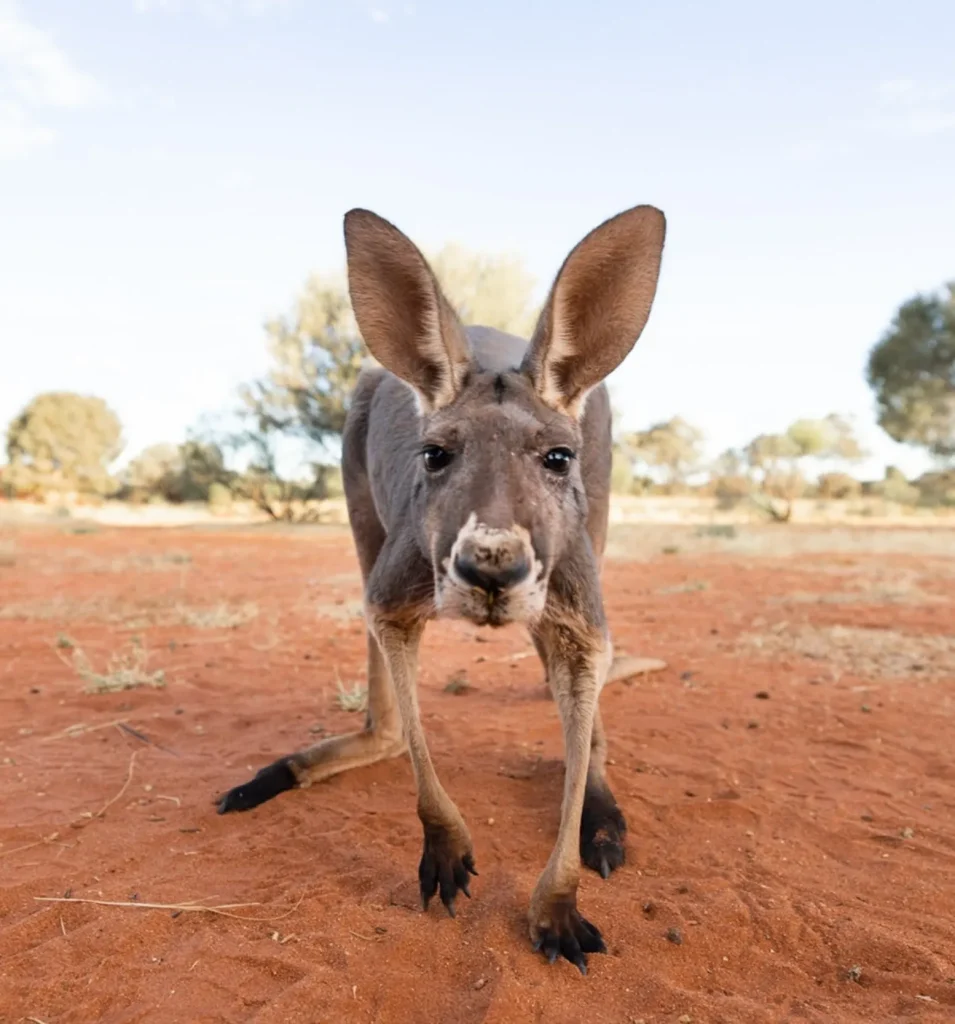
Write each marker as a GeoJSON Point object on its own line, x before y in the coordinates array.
{"type": "Point", "coordinates": [866, 652]}
{"type": "Point", "coordinates": [351, 698]}
{"type": "Point", "coordinates": [62, 442]}
{"type": "Point", "coordinates": [912, 373]}
{"type": "Point", "coordinates": [125, 670]}
{"type": "Point", "coordinates": [219, 616]}
{"type": "Point", "coordinates": [458, 684]}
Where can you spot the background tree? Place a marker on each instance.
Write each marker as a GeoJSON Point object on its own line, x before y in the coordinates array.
{"type": "Point", "coordinates": [491, 290]}
{"type": "Point", "coordinates": [674, 446]}
{"type": "Point", "coordinates": [730, 481]}
{"type": "Point", "coordinates": [316, 354]}
{"type": "Point", "coordinates": [838, 486]}
{"type": "Point", "coordinates": [63, 442]}
{"type": "Point", "coordinates": [895, 487]}
{"type": "Point", "coordinates": [911, 370]}
{"type": "Point", "coordinates": [175, 473]}
{"type": "Point", "coordinates": [150, 474]}
{"type": "Point", "coordinates": [772, 460]}
{"type": "Point", "coordinates": [832, 437]}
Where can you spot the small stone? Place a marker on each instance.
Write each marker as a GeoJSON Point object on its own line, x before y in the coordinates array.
{"type": "Point", "coordinates": [907, 833]}
{"type": "Point", "coordinates": [480, 983]}
{"type": "Point", "coordinates": [868, 816]}
{"type": "Point", "coordinates": [685, 1019]}
{"type": "Point", "coordinates": [866, 710]}
{"type": "Point", "coordinates": [762, 695]}
{"type": "Point", "coordinates": [490, 821]}
{"type": "Point", "coordinates": [673, 935]}
{"type": "Point", "coordinates": [854, 974]}
{"type": "Point", "coordinates": [650, 908]}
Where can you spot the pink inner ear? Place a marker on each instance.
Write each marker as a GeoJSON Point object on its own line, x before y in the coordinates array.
{"type": "Point", "coordinates": [597, 307]}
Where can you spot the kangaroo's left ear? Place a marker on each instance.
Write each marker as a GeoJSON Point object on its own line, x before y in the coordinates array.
{"type": "Point", "coordinates": [597, 308]}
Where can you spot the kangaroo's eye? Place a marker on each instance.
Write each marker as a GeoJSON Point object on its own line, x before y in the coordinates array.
{"type": "Point", "coordinates": [558, 460]}
{"type": "Point", "coordinates": [435, 457]}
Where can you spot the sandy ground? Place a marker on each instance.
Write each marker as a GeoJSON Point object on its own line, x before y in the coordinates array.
{"type": "Point", "coordinates": [789, 782]}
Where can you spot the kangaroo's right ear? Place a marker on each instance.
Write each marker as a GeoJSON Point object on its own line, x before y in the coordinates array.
{"type": "Point", "coordinates": [403, 316]}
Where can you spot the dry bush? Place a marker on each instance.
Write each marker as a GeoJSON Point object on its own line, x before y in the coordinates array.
{"type": "Point", "coordinates": [876, 588]}
{"type": "Point", "coordinates": [125, 670]}
{"type": "Point", "coordinates": [218, 616]}
{"type": "Point", "coordinates": [8, 555]}
{"type": "Point", "coordinates": [353, 698]}
{"type": "Point", "coordinates": [60, 608]}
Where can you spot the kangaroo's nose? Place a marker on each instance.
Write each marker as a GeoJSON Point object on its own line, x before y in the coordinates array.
{"type": "Point", "coordinates": [492, 568]}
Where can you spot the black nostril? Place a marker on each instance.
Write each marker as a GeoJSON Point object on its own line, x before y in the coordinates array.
{"type": "Point", "coordinates": [491, 579]}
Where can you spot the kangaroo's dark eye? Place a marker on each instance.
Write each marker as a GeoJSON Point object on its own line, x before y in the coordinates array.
{"type": "Point", "coordinates": [435, 457]}
{"type": "Point", "coordinates": [558, 460]}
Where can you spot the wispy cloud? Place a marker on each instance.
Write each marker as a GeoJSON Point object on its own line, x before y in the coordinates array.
{"type": "Point", "coordinates": [37, 69]}
{"type": "Point", "coordinates": [35, 74]}
{"type": "Point", "coordinates": [378, 16]}
{"type": "Point", "coordinates": [911, 107]}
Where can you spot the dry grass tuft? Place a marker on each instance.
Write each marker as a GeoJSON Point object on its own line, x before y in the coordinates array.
{"type": "Point", "coordinates": [352, 699]}
{"type": "Point", "coordinates": [219, 616]}
{"type": "Point", "coordinates": [64, 609]}
{"type": "Point", "coordinates": [126, 670]}
{"type": "Point", "coordinates": [867, 653]}
{"type": "Point", "coordinates": [876, 588]}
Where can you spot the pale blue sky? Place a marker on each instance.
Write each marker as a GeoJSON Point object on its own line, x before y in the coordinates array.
{"type": "Point", "coordinates": [171, 170]}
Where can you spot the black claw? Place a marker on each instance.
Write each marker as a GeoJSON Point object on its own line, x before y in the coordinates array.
{"type": "Point", "coordinates": [443, 870]}
{"type": "Point", "coordinates": [604, 866]}
{"type": "Point", "coordinates": [269, 781]}
{"type": "Point", "coordinates": [569, 935]}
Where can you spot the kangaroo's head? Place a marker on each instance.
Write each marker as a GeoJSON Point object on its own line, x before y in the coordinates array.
{"type": "Point", "coordinates": [498, 495]}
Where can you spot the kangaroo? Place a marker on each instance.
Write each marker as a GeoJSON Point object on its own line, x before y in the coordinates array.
{"type": "Point", "coordinates": [476, 468]}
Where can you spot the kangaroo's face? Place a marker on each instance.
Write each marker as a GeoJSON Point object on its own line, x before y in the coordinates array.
{"type": "Point", "coordinates": [498, 495]}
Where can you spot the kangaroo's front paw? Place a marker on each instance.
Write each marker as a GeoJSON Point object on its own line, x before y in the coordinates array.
{"type": "Point", "coordinates": [558, 929]}
{"type": "Point", "coordinates": [447, 864]}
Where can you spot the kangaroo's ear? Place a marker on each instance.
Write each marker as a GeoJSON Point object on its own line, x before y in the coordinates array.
{"type": "Point", "coordinates": [597, 308]}
{"type": "Point", "coordinates": [404, 318]}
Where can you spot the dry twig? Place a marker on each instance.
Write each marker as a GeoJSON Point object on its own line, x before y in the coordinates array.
{"type": "Point", "coordinates": [223, 909]}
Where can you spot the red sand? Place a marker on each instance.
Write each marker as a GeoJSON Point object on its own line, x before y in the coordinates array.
{"type": "Point", "coordinates": [768, 831]}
